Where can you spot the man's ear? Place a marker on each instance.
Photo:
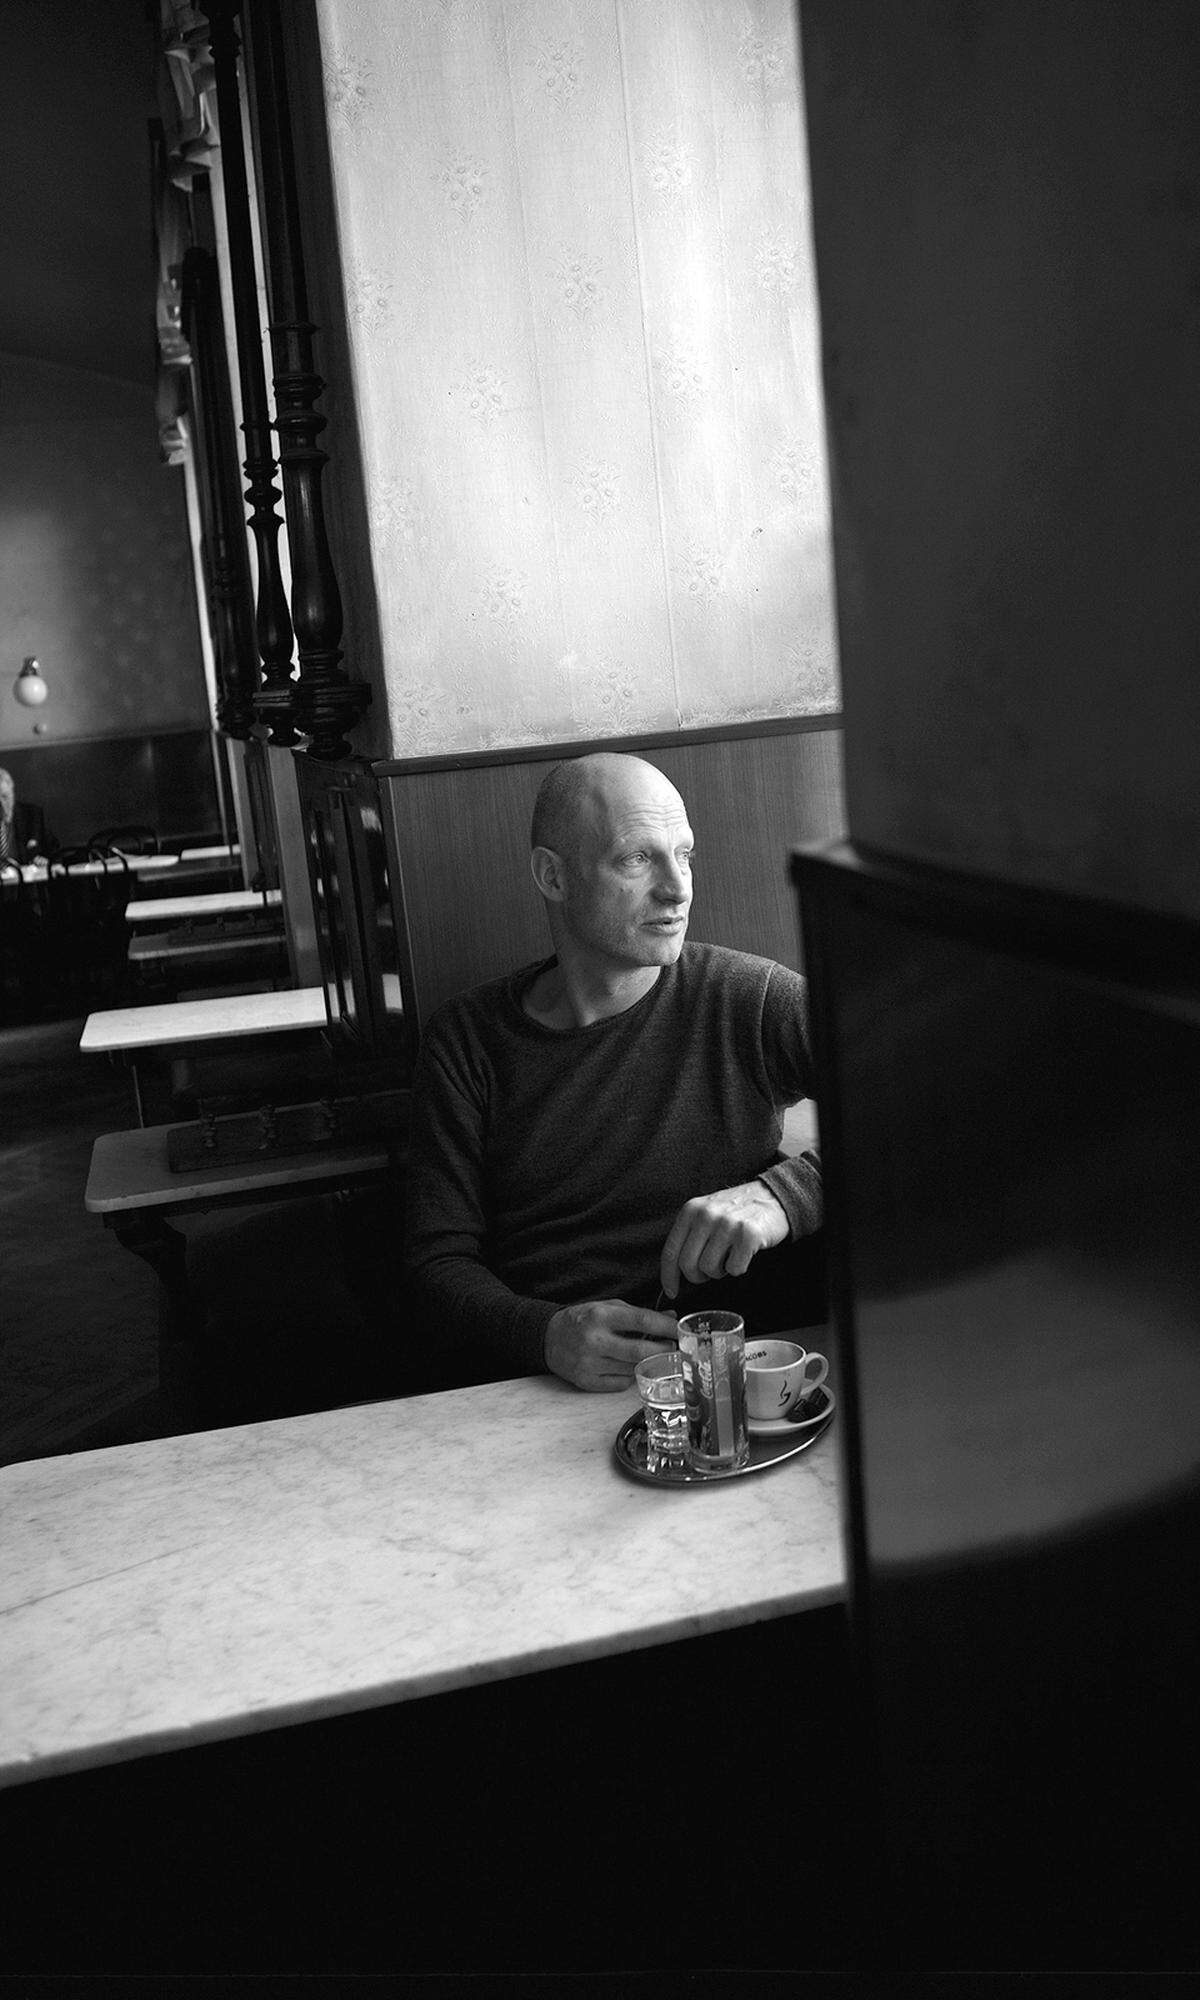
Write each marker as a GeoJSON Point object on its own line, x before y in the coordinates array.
{"type": "Point", "coordinates": [550, 874]}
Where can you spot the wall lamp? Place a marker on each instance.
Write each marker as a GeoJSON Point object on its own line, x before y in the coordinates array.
{"type": "Point", "coordinates": [29, 688]}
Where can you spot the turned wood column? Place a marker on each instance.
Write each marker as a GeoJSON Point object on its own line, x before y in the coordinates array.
{"type": "Point", "coordinates": [225, 552]}
{"type": "Point", "coordinates": [327, 703]}
{"type": "Point", "coordinates": [274, 699]}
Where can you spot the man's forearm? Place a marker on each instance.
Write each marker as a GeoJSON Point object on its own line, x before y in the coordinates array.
{"type": "Point", "coordinates": [466, 1302]}
{"type": "Point", "coordinates": [796, 1185]}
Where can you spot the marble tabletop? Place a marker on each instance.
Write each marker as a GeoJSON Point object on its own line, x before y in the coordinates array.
{"type": "Point", "coordinates": [130, 864]}
{"type": "Point", "coordinates": [209, 1020]}
{"type": "Point", "coordinates": [205, 941]}
{"type": "Point", "coordinates": [131, 1171]}
{"type": "Point", "coordinates": [211, 1585]}
{"type": "Point", "coordinates": [217, 903]}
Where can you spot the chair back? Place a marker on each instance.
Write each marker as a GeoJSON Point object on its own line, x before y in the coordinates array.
{"type": "Point", "coordinates": [132, 839]}
{"type": "Point", "coordinates": [86, 936]}
{"type": "Point", "coordinates": [69, 860]}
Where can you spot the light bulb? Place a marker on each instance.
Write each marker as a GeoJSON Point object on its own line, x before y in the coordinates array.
{"type": "Point", "coordinates": [29, 687]}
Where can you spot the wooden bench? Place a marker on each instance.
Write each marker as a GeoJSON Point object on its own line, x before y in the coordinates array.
{"type": "Point", "coordinates": [226, 949]}
{"type": "Point", "coordinates": [137, 1194]}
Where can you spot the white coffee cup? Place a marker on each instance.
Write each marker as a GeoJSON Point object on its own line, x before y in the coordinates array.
{"type": "Point", "coordinates": [779, 1373]}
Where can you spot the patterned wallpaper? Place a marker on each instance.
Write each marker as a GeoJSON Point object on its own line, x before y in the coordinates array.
{"type": "Point", "coordinates": [585, 347]}
{"type": "Point", "coordinates": [95, 565]}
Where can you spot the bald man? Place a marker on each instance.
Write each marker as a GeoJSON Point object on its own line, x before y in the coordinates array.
{"type": "Point", "coordinates": [596, 1138]}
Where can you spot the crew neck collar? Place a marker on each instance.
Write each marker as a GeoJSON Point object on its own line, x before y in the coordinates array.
{"type": "Point", "coordinates": [521, 982]}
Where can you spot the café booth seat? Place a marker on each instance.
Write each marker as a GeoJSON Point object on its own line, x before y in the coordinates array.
{"type": "Point", "coordinates": [20, 946]}
{"type": "Point", "coordinates": [61, 935]}
{"type": "Point", "coordinates": [84, 926]}
{"type": "Point", "coordinates": [380, 1826]}
{"type": "Point", "coordinates": [304, 1304]}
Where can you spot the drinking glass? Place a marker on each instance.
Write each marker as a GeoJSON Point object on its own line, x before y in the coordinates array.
{"type": "Point", "coordinates": [712, 1348]}
{"type": "Point", "coordinates": [660, 1385]}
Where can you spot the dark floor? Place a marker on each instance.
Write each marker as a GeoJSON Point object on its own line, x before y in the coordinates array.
{"type": "Point", "coordinates": [519, 1828]}
{"type": "Point", "coordinates": [294, 1306]}
{"type": "Point", "coordinates": [78, 1315]}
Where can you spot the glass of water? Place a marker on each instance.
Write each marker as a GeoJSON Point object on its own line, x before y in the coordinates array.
{"type": "Point", "coordinates": [660, 1385]}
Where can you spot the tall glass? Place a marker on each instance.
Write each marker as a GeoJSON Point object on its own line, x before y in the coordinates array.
{"type": "Point", "coordinates": [712, 1347]}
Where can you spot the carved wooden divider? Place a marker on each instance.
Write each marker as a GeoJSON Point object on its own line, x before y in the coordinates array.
{"type": "Point", "coordinates": [273, 701]}
{"type": "Point", "coordinates": [323, 704]}
{"type": "Point", "coordinates": [195, 398]}
{"type": "Point", "coordinates": [328, 703]}
{"type": "Point", "coordinates": [223, 523]}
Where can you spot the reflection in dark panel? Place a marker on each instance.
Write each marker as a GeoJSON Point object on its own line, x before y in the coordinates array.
{"type": "Point", "coordinates": [262, 811]}
{"type": "Point", "coordinates": [353, 907]}
{"type": "Point", "coordinates": [1012, 1148]}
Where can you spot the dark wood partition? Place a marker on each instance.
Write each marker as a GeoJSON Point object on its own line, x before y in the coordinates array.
{"type": "Point", "coordinates": [458, 845]}
{"type": "Point", "coordinates": [1007, 1095]}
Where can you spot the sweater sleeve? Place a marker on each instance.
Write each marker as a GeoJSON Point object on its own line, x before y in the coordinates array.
{"type": "Point", "coordinates": [446, 1227]}
{"type": "Point", "coordinates": [788, 1064]}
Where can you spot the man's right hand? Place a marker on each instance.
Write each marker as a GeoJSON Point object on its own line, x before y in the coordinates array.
{"type": "Point", "coordinates": [598, 1344]}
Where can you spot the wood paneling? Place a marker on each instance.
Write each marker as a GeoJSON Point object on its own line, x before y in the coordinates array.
{"type": "Point", "coordinates": [458, 828]}
{"type": "Point", "coordinates": [165, 781]}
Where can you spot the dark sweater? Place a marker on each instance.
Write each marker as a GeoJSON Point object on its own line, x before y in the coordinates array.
{"type": "Point", "coordinates": [548, 1166]}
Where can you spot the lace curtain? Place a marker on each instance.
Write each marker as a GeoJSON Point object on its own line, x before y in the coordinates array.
{"type": "Point", "coordinates": [584, 337]}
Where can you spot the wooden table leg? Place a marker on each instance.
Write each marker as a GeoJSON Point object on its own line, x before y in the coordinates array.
{"type": "Point", "coordinates": [150, 1236]}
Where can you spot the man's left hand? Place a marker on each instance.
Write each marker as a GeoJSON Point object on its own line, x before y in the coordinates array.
{"type": "Point", "coordinates": [717, 1235]}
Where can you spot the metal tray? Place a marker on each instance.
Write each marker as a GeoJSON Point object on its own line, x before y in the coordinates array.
{"type": "Point", "coordinates": [629, 1450]}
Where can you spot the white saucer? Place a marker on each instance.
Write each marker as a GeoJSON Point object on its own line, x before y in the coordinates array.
{"type": "Point", "coordinates": [774, 1427]}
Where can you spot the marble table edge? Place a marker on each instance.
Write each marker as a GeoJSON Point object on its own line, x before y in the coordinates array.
{"type": "Point", "coordinates": [30, 1767]}
{"type": "Point", "coordinates": [286, 1170]}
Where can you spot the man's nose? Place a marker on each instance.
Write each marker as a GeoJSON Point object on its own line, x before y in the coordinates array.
{"type": "Point", "coordinates": [674, 884]}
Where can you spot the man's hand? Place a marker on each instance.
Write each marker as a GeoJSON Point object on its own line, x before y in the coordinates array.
{"type": "Point", "coordinates": [717, 1235]}
{"type": "Point", "coordinates": [598, 1344]}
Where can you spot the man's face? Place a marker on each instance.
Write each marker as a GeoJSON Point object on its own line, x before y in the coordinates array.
{"type": "Point", "coordinates": [7, 796]}
{"type": "Point", "coordinates": [629, 879]}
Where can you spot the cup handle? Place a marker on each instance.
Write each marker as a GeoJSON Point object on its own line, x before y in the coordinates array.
{"type": "Point", "coordinates": [814, 1380]}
